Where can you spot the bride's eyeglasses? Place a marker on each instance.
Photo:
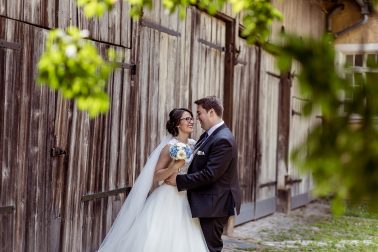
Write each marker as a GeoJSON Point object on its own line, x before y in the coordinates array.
{"type": "Point", "coordinates": [188, 119]}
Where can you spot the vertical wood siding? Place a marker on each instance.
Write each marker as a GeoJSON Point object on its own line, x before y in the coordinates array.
{"type": "Point", "coordinates": [39, 12]}
{"type": "Point", "coordinates": [114, 27]}
{"type": "Point", "coordinates": [268, 115]}
{"type": "Point", "coordinates": [97, 151]}
{"type": "Point", "coordinates": [307, 19]}
{"type": "Point", "coordinates": [10, 171]}
{"type": "Point", "coordinates": [246, 81]}
{"type": "Point", "coordinates": [25, 140]}
{"type": "Point", "coordinates": [299, 130]}
{"type": "Point", "coordinates": [207, 63]}
{"type": "Point", "coordinates": [303, 17]}
{"type": "Point", "coordinates": [163, 77]}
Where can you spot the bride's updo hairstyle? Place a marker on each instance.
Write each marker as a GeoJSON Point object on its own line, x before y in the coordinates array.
{"type": "Point", "coordinates": [174, 120]}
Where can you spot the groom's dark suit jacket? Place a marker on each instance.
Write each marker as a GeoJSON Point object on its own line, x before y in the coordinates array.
{"type": "Point", "coordinates": [212, 180]}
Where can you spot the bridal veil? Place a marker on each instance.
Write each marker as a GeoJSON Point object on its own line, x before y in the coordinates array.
{"type": "Point", "coordinates": [134, 202]}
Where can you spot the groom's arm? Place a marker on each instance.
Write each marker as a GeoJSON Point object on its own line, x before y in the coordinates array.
{"type": "Point", "coordinates": [217, 164]}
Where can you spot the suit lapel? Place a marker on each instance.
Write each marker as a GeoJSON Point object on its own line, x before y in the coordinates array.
{"type": "Point", "coordinates": [199, 140]}
{"type": "Point", "coordinates": [208, 140]}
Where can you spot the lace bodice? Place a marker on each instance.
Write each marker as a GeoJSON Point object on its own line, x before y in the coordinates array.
{"type": "Point", "coordinates": [191, 144]}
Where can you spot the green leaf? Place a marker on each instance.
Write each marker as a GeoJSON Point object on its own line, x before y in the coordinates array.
{"type": "Point", "coordinates": [73, 67]}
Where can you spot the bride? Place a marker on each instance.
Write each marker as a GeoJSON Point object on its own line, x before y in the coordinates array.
{"type": "Point", "coordinates": [161, 222]}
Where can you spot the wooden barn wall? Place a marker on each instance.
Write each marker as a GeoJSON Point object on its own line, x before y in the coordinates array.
{"type": "Point", "coordinates": [302, 17]}
{"type": "Point", "coordinates": [307, 19]}
{"type": "Point", "coordinates": [101, 158]}
{"type": "Point", "coordinates": [47, 197]}
{"type": "Point", "coordinates": [244, 127]}
{"type": "Point", "coordinates": [66, 202]}
{"type": "Point", "coordinates": [26, 182]}
{"type": "Point", "coordinates": [163, 76]}
{"type": "Point", "coordinates": [39, 12]}
{"type": "Point", "coordinates": [246, 81]}
{"type": "Point", "coordinates": [207, 59]}
{"type": "Point", "coordinates": [267, 133]}
{"type": "Point", "coordinates": [177, 66]}
{"type": "Point", "coordinates": [299, 130]}
{"type": "Point", "coordinates": [114, 27]}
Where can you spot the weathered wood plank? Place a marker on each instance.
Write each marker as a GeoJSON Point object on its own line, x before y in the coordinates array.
{"type": "Point", "coordinates": [67, 14]}
{"type": "Point", "coordinates": [268, 105]}
{"type": "Point", "coordinates": [95, 147]}
{"type": "Point", "coordinates": [245, 117]}
{"type": "Point", "coordinates": [113, 27]}
{"type": "Point", "coordinates": [31, 126]}
{"type": "Point", "coordinates": [144, 78]}
{"type": "Point", "coordinates": [3, 7]}
{"type": "Point", "coordinates": [40, 12]}
{"type": "Point", "coordinates": [14, 9]}
{"type": "Point", "coordinates": [8, 140]}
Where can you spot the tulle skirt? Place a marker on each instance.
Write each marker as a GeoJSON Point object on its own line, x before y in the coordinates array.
{"type": "Point", "coordinates": [164, 225]}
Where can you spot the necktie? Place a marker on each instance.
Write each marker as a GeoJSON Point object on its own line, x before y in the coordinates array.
{"type": "Point", "coordinates": [201, 141]}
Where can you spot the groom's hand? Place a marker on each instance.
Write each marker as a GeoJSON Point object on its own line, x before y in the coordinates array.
{"type": "Point", "coordinates": [171, 180]}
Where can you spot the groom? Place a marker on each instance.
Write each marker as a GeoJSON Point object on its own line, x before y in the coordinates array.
{"type": "Point", "coordinates": [212, 181]}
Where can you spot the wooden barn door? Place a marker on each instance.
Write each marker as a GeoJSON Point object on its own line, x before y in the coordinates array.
{"type": "Point", "coordinates": [180, 62]}
{"type": "Point", "coordinates": [266, 158]}
{"type": "Point", "coordinates": [207, 59]}
{"type": "Point", "coordinates": [96, 157]}
{"type": "Point", "coordinates": [27, 183]}
{"type": "Point", "coordinates": [98, 160]}
{"type": "Point", "coordinates": [11, 214]}
{"type": "Point", "coordinates": [245, 122]}
{"type": "Point", "coordinates": [162, 75]}
{"type": "Point", "coordinates": [300, 183]}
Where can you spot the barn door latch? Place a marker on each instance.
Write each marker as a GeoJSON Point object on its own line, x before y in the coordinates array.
{"type": "Point", "coordinates": [131, 66]}
{"type": "Point", "coordinates": [56, 151]}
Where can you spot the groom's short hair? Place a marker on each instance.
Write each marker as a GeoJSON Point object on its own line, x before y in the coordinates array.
{"type": "Point", "coordinates": [211, 102]}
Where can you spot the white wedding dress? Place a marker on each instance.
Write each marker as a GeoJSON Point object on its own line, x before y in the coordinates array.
{"type": "Point", "coordinates": [164, 224]}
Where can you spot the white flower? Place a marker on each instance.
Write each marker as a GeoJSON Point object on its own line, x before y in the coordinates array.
{"type": "Point", "coordinates": [181, 155]}
{"type": "Point", "coordinates": [60, 34]}
{"type": "Point", "coordinates": [84, 33]}
{"type": "Point", "coordinates": [71, 51]}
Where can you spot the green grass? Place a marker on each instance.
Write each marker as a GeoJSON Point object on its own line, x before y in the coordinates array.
{"type": "Point", "coordinates": [356, 224]}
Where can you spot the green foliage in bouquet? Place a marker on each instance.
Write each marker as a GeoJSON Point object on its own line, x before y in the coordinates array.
{"type": "Point", "coordinates": [73, 66]}
{"type": "Point", "coordinates": [341, 152]}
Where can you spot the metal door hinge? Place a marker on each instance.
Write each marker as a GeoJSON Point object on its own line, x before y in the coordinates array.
{"type": "Point", "coordinates": [7, 209]}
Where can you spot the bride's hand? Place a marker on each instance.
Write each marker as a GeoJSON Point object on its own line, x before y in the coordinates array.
{"type": "Point", "coordinates": [177, 164]}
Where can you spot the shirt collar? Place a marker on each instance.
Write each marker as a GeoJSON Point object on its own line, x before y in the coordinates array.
{"type": "Point", "coordinates": [212, 129]}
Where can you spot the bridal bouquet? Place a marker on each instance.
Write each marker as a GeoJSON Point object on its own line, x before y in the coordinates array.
{"type": "Point", "coordinates": [180, 151]}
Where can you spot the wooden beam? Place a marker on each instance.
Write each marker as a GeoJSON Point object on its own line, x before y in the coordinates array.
{"type": "Point", "coordinates": [229, 72]}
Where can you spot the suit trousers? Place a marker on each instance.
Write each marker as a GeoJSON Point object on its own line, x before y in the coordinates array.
{"type": "Point", "coordinates": [212, 229]}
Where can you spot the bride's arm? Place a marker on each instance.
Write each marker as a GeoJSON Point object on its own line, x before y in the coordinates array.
{"type": "Point", "coordinates": [166, 166]}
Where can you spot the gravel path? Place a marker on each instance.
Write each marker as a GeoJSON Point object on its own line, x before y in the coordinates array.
{"type": "Point", "coordinates": [249, 236]}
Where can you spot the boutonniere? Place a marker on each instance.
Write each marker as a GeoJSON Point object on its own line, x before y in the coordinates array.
{"type": "Point", "coordinates": [200, 153]}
